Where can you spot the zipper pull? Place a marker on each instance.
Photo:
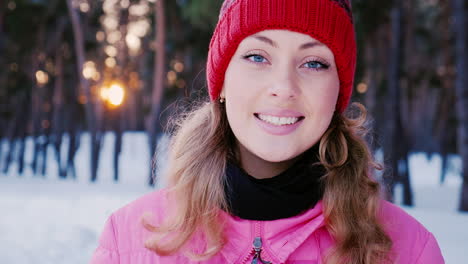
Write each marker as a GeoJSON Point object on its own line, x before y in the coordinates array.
{"type": "Point", "coordinates": [257, 244]}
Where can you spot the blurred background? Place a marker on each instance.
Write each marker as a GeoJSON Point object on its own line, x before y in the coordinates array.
{"type": "Point", "coordinates": [87, 88]}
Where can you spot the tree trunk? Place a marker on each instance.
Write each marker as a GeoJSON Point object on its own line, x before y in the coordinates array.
{"type": "Point", "coordinates": [14, 128]}
{"type": "Point", "coordinates": [9, 155]}
{"type": "Point", "coordinates": [461, 86]}
{"type": "Point", "coordinates": [58, 114]}
{"type": "Point", "coordinates": [11, 145]}
{"type": "Point", "coordinates": [21, 152]}
{"type": "Point", "coordinates": [370, 97]}
{"type": "Point", "coordinates": [24, 114]}
{"type": "Point", "coordinates": [403, 129]}
{"type": "Point", "coordinates": [153, 121]}
{"type": "Point", "coordinates": [73, 144]}
{"type": "Point", "coordinates": [392, 107]}
{"type": "Point", "coordinates": [444, 132]}
{"type": "Point", "coordinates": [44, 155]}
{"type": "Point", "coordinates": [404, 175]}
{"type": "Point", "coordinates": [3, 73]}
{"type": "Point", "coordinates": [36, 105]}
{"type": "Point", "coordinates": [117, 144]}
{"type": "Point", "coordinates": [95, 137]}
{"type": "Point", "coordinates": [2, 16]}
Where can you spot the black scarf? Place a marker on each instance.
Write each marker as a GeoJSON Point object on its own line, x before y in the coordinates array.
{"type": "Point", "coordinates": [288, 194]}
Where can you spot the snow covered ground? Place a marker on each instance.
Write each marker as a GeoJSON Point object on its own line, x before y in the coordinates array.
{"type": "Point", "coordinates": [52, 221]}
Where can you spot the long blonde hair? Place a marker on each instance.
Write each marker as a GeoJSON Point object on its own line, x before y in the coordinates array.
{"type": "Point", "coordinates": [202, 143]}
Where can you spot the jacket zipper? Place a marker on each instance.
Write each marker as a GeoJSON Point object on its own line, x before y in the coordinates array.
{"type": "Point", "coordinates": [256, 251]}
{"type": "Point", "coordinates": [257, 243]}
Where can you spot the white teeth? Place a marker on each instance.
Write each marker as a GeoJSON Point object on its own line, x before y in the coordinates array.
{"type": "Point", "coordinates": [279, 121]}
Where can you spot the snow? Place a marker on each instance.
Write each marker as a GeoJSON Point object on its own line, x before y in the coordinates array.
{"type": "Point", "coordinates": [450, 230]}
{"type": "Point", "coordinates": [49, 220]}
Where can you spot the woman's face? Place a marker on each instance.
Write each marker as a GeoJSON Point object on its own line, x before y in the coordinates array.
{"type": "Point", "coordinates": [281, 89]}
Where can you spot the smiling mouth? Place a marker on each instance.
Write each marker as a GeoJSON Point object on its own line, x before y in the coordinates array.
{"type": "Point", "coordinates": [279, 121]}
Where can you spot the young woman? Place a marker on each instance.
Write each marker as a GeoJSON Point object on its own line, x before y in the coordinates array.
{"type": "Point", "coordinates": [271, 170]}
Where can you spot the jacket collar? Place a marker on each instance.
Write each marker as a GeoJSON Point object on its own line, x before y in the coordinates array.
{"type": "Point", "coordinates": [280, 237]}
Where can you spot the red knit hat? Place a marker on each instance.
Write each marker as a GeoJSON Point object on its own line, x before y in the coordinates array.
{"type": "Point", "coordinates": [328, 21]}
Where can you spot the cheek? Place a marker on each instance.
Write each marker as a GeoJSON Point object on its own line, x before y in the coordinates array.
{"type": "Point", "coordinates": [240, 78]}
{"type": "Point", "coordinates": [322, 95]}
{"type": "Point", "coordinates": [241, 89]}
{"type": "Point", "coordinates": [321, 101]}
{"type": "Point", "coordinates": [237, 93]}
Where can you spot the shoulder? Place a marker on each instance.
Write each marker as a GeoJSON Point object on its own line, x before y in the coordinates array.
{"type": "Point", "coordinates": [123, 237]}
{"type": "Point", "coordinates": [412, 242]}
{"type": "Point", "coordinates": [152, 203]}
{"type": "Point", "coordinates": [394, 216]}
{"type": "Point", "coordinates": [124, 231]}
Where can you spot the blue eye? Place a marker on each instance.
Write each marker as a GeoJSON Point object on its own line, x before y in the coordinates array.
{"type": "Point", "coordinates": [316, 65]}
{"type": "Point", "coordinates": [255, 58]}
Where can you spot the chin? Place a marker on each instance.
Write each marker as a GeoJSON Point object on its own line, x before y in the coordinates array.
{"type": "Point", "coordinates": [277, 155]}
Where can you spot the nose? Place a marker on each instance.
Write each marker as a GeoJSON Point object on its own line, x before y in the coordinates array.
{"type": "Point", "coordinates": [284, 85]}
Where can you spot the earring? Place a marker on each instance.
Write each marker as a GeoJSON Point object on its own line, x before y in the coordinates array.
{"type": "Point", "coordinates": [221, 100]}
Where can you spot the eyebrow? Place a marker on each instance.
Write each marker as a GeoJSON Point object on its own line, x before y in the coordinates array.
{"type": "Point", "coordinates": [273, 44]}
{"type": "Point", "coordinates": [311, 45]}
{"type": "Point", "coordinates": [266, 40]}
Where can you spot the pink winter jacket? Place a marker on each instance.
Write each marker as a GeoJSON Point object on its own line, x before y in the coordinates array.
{"type": "Point", "coordinates": [302, 239]}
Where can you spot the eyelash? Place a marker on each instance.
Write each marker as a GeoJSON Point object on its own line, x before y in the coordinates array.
{"type": "Point", "coordinates": [323, 64]}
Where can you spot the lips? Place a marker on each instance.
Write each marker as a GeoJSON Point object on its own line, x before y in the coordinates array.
{"type": "Point", "coordinates": [279, 116]}
{"type": "Point", "coordinates": [279, 122]}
